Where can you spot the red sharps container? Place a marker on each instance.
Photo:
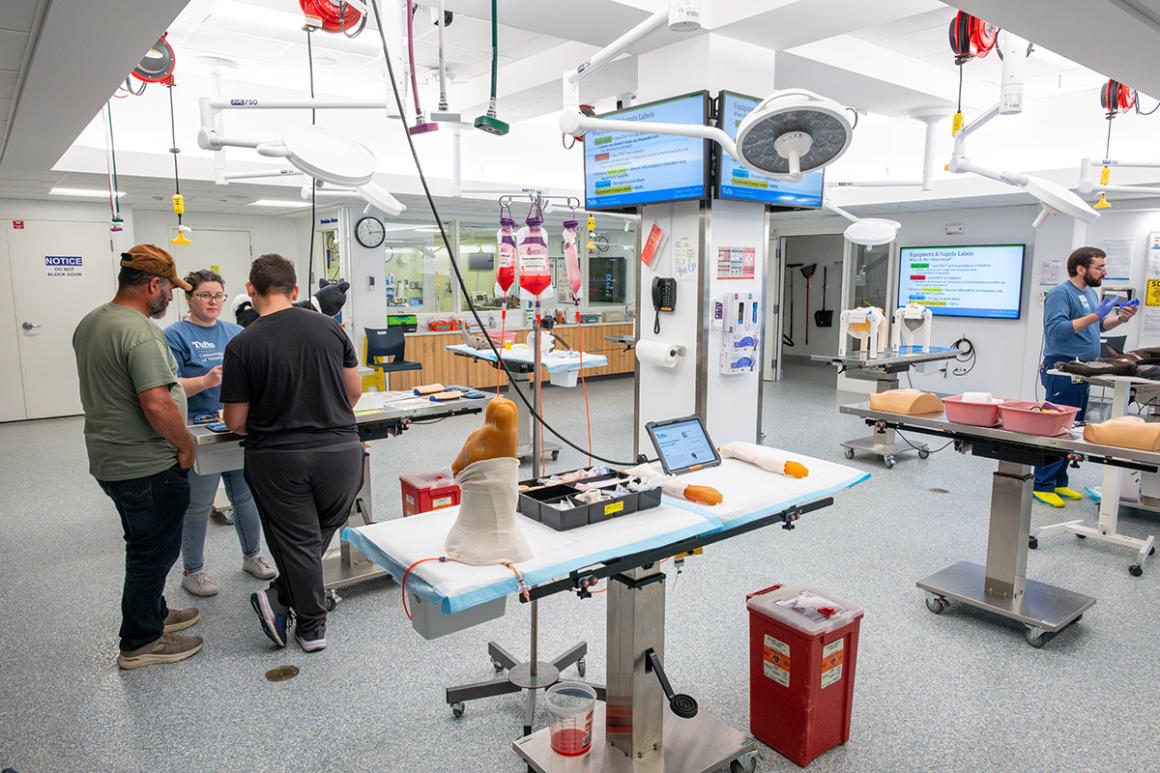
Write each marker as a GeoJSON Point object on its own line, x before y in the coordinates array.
{"type": "Point", "coordinates": [803, 644]}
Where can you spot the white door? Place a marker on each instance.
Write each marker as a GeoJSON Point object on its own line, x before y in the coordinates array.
{"type": "Point", "coordinates": [60, 271]}
{"type": "Point", "coordinates": [229, 253]}
{"type": "Point", "coordinates": [11, 387]}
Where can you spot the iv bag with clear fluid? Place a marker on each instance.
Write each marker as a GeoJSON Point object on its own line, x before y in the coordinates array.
{"type": "Point", "coordinates": [532, 249]}
{"type": "Point", "coordinates": [505, 268]}
{"type": "Point", "coordinates": [572, 259]}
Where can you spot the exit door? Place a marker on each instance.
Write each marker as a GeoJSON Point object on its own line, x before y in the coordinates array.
{"type": "Point", "coordinates": [59, 272]}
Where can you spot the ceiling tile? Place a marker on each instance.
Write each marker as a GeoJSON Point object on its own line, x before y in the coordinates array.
{"type": "Point", "coordinates": [19, 15]}
{"type": "Point", "coordinates": [12, 45]}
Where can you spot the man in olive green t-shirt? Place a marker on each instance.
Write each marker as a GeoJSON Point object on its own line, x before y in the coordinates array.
{"type": "Point", "coordinates": [140, 450]}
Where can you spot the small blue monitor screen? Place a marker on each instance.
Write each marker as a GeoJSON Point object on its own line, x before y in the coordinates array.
{"type": "Point", "coordinates": [743, 184]}
{"type": "Point", "coordinates": [684, 444]}
{"type": "Point", "coordinates": [627, 169]}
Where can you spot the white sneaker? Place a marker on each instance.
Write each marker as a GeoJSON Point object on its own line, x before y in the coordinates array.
{"type": "Point", "coordinates": [257, 566]}
{"type": "Point", "coordinates": [199, 584]}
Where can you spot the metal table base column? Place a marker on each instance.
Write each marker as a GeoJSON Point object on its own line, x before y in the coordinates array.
{"type": "Point", "coordinates": [1002, 587]}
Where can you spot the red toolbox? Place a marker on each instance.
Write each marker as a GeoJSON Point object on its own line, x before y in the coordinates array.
{"type": "Point", "coordinates": [803, 644]}
{"type": "Point", "coordinates": [425, 491]}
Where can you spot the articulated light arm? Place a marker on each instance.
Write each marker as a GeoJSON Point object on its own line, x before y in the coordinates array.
{"type": "Point", "coordinates": [574, 123]}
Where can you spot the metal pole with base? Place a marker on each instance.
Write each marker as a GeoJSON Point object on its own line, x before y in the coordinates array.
{"type": "Point", "coordinates": [1002, 587]}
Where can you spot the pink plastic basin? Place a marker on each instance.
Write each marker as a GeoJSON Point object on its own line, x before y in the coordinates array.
{"type": "Point", "coordinates": [975, 414]}
{"type": "Point", "coordinates": [1032, 419]}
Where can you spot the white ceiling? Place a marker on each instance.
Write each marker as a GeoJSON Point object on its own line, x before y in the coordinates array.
{"type": "Point", "coordinates": [889, 58]}
{"type": "Point", "coordinates": [18, 26]}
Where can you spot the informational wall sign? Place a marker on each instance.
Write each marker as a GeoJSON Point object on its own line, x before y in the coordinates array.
{"type": "Point", "coordinates": [61, 266]}
{"type": "Point", "coordinates": [685, 259]}
{"type": "Point", "coordinates": [1150, 324]}
{"type": "Point", "coordinates": [18, 225]}
{"type": "Point", "coordinates": [736, 262]}
{"type": "Point", "coordinates": [1119, 252]}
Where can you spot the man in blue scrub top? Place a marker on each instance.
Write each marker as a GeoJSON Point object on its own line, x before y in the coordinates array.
{"type": "Point", "coordinates": [199, 343]}
{"type": "Point", "coordinates": [1073, 317]}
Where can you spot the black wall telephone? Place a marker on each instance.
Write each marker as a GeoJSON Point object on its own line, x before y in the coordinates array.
{"type": "Point", "coordinates": [664, 298]}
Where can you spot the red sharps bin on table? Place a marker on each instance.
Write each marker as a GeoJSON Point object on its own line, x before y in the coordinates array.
{"type": "Point", "coordinates": [803, 644]}
{"type": "Point", "coordinates": [426, 491]}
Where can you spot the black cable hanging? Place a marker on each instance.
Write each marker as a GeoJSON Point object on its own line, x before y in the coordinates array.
{"type": "Point", "coordinates": [453, 255]}
{"type": "Point", "coordinates": [178, 199]}
{"type": "Point", "coordinates": [313, 182]}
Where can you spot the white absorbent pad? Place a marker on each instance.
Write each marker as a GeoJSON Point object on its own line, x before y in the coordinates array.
{"type": "Point", "coordinates": [485, 531]}
{"type": "Point", "coordinates": [556, 362]}
{"type": "Point", "coordinates": [751, 492]}
{"type": "Point", "coordinates": [395, 545]}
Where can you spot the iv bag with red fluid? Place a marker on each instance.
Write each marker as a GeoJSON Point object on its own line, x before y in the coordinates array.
{"type": "Point", "coordinates": [505, 268]}
{"type": "Point", "coordinates": [572, 259]}
{"type": "Point", "coordinates": [535, 274]}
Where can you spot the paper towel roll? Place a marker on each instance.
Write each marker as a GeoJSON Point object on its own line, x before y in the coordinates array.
{"type": "Point", "coordinates": [657, 353]}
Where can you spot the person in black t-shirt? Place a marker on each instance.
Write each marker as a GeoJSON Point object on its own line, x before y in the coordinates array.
{"type": "Point", "coordinates": [289, 382]}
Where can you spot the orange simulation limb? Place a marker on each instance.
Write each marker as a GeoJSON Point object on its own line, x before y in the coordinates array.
{"type": "Point", "coordinates": [496, 439]}
{"type": "Point", "coordinates": [705, 495]}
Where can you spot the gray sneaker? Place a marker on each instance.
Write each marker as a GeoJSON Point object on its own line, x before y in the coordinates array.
{"type": "Point", "coordinates": [199, 584]}
{"type": "Point", "coordinates": [170, 648]}
{"type": "Point", "coordinates": [257, 566]}
{"type": "Point", "coordinates": [312, 642]}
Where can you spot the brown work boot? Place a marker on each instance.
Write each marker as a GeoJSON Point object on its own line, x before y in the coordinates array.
{"type": "Point", "coordinates": [170, 648]}
{"type": "Point", "coordinates": [180, 619]}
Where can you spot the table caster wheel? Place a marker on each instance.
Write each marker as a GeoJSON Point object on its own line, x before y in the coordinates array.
{"type": "Point", "coordinates": [1036, 638]}
{"type": "Point", "coordinates": [581, 667]}
{"type": "Point", "coordinates": [1152, 552]}
{"type": "Point", "coordinates": [332, 600]}
{"type": "Point", "coordinates": [1081, 536]}
{"type": "Point", "coordinates": [1135, 570]}
{"type": "Point", "coordinates": [889, 461]}
{"type": "Point", "coordinates": [923, 454]}
{"type": "Point", "coordinates": [849, 453]}
{"type": "Point", "coordinates": [746, 764]}
{"type": "Point", "coordinates": [457, 710]}
{"type": "Point", "coordinates": [497, 666]}
{"type": "Point", "coordinates": [937, 604]}
{"type": "Point", "coordinates": [1032, 543]}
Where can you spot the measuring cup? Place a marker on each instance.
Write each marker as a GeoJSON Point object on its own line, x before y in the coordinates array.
{"type": "Point", "coordinates": [570, 709]}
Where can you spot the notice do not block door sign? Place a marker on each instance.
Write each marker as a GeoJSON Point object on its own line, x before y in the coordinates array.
{"type": "Point", "coordinates": [64, 266]}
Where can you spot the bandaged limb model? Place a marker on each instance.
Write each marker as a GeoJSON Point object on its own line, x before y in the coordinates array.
{"type": "Point", "coordinates": [764, 457]}
{"type": "Point", "coordinates": [487, 472]}
{"type": "Point", "coordinates": [677, 488]}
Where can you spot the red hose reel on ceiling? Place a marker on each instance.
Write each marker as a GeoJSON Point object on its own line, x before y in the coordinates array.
{"type": "Point", "coordinates": [971, 37]}
{"type": "Point", "coordinates": [1116, 97]}
{"type": "Point", "coordinates": [336, 15]}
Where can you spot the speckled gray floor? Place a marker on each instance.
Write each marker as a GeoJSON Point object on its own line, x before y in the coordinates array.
{"type": "Point", "coordinates": [956, 692]}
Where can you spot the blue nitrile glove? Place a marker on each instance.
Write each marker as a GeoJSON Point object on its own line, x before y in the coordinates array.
{"type": "Point", "coordinates": [1106, 306]}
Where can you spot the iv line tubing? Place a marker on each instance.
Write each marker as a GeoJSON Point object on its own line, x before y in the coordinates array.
{"type": "Point", "coordinates": [453, 256]}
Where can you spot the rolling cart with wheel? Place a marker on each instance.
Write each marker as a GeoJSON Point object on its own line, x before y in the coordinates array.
{"type": "Point", "coordinates": [1001, 586]}
{"type": "Point", "coordinates": [883, 370]}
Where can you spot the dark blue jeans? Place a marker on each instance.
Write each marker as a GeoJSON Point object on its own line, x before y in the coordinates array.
{"type": "Point", "coordinates": [152, 510]}
{"type": "Point", "coordinates": [1061, 391]}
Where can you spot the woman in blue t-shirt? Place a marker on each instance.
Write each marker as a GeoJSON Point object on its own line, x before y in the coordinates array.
{"type": "Point", "coordinates": [199, 343]}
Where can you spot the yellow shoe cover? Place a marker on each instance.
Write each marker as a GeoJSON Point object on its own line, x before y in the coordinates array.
{"type": "Point", "coordinates": [1068, 493]}
{"type": "Point", "coordinates": [1048, 498]}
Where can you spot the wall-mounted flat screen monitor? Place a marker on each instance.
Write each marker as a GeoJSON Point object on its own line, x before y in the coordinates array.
{"type": "Point", "coordinates": [972, 280]}
{"type": "Point", "coordinates": [739, 183]}
{"type": "Point", "coordinates": [627, 169]}
{"type": "Point", "coordinates": [606, 278]}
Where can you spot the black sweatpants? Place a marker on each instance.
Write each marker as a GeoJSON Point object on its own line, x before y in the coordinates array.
{"type": "Point", "coordinates": [303, 496]}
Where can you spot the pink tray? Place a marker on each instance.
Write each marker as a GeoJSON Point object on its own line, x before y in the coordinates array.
{"type": "Point", "coordinates": [1031, 419]}
{"type": "Point", "coordinates": [975, 414]}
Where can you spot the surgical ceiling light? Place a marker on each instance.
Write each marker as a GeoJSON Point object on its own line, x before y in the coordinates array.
{"type": "Point", "coordinates": [1053, 198]}
{"type": "Point", "coordinates": [867, 231]}
{"type": "Point", "coordinates": [789, 134]}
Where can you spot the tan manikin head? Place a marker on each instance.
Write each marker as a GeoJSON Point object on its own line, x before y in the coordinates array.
{"type": "Point", "coordinates": [497, 437]}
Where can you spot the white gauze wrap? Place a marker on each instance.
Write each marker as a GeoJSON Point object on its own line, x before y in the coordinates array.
{"type": "Point", "coordinates": [763, 456]}
{"type": "Point", "coordinates": [669, 484]}
{"type": "Point", "coordinates": [485, 531]}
